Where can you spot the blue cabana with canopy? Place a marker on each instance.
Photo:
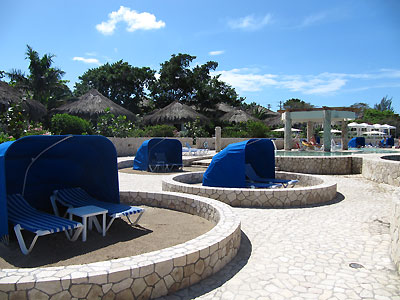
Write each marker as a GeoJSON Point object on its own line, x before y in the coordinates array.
{"type": "Point", "coordinates": [35, 166]}
{"type": "Point", "coordinates": [161, 152]}
{"type": "Point", "coordinates": [227, 168]}
{"type": "Point", "coordinates": [357, 142]}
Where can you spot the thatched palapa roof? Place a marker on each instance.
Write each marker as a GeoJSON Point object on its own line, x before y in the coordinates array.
{"type": "Point", "coordinates": [174, 113]}
{"type": "Point", "coordinates": [11, 95]}
{"type": "Point", "coordinates": [237, 116]}
{"type": "Point", "coordinates": [91, 105]}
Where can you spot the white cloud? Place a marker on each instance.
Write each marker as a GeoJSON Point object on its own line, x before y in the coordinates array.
{"type": "Point", "coordinates": [249, 80]}
{"type": "Point", "coordinates": [250, 22]}
{"type": "Point", "coordinates": [218, 52]}
{"type": "Point", "coordinates": [133, 19]}
{"type": "Point", "coordinates": [312, 19]}
{"type": "Point", "coordinates": [94, 61]}
{"type": "Point", "coordinates": [245, 81]}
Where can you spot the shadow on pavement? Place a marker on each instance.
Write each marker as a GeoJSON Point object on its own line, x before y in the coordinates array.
{"type": "Point", "coordinates": [219, 278]}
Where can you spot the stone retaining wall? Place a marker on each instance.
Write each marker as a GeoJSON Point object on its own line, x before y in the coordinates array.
{"type": "Point", "coordinates": [395, 232]}
{"type": "Point", "coordinates": [144, 276]}
{"type": "Point", "coordinates": [322, 165]}
{"type": "Point", "coordinates": [314, 190]}
{"type": "Point", "coordinates": [381, 170]}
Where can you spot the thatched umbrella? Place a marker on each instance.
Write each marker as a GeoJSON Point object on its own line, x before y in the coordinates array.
{"type": "Point", "coordinates": [91, 105]}
{"type": "Point", "coordinates": [11, 95]}
{"type": "Point", "coordinates": [237, 116]}
{"type": "Point", "coordinates": [174, 113]}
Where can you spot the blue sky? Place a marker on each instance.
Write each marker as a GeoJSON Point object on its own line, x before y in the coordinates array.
{"type": "Point", "coordinates": [328, 53]}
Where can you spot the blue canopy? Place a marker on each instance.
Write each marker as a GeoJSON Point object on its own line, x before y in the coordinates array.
{"type": "Point", "coordinates": [149, 150]}
{"type": "Point", "coordinates": [227, 168]}
{"type": "Point", "coordinates": [357, 142]}
{"type": "Point", "coordinates": [35, 166]}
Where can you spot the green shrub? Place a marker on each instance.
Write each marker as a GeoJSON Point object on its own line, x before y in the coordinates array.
{"type": "Point", "coordinates": [256, 129]}
{"type": "Point", "coordinates": [5, 137]}
{"type": "Point", "coordinates": [109, 125]}
{"type": "Point", "coordinates": [160, 131]}
{"type": "Point", "coordinates": [194, 130]}
{"type": "Point", "coordinates": [67, 124]}
{"type": "Point", "coordinates": [14, 121]}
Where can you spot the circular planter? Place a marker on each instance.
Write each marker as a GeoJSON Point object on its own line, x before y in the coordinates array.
{"type": "Point", "coordinates": [314, 190]}
{"type": "Point", "coordinates": [144, 276]}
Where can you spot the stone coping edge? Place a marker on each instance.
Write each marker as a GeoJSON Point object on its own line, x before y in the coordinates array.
{"type": "Point", "coordinates": [317, 190]}
{"type": "Point", "coordinates": [382, 170]}
{"type": "Point", "coordinates": [144, 276]}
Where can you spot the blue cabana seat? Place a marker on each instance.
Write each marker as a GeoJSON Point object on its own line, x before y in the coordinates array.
{"type": "Point", "coordinates": [357, 142]}
{"type": "Point", "coordinates": [77, 197]}
{"type": "Point", "coordinates": [24, 216]}
{"type": "Point", "coordinates": [389, 142]}
{"type": "Point", "coordinates": [228, 167]}
{"type": "Point", "coordinates": [159, 154]}
{"type": "Point", "coordinates": [35, 166]}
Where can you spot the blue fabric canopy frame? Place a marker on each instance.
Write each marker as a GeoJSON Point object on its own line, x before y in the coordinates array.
{"type": "Point", "coordinates": [357, 142]}
{"type": "Point", "coordinates": [151, 150]}
{"type": "Point", "coordinates": [227, 168]}
{"type": "Point", "coordinates": [35, 166]}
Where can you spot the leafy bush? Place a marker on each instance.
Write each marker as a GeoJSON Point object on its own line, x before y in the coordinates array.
{"type": "Point", "coordinates": [67, 124]}
{"type": "Point", "coordinates": [109, 125]}
{"type": "Point", "coordinates": [14, 121]}
{"type": "Point", "coordinates": [5, 137]}
{"type": "Point", "coordinates": [36, 129]}
{"type": "Point", "coordinates": [160, 131]}
{"type": "Point", "coordinates": [256, 129]}
{"type": "Point", "coordinates": [195, 130]}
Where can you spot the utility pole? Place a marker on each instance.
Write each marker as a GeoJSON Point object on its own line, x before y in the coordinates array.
{"type": "Point", "coordinates": [280, 105]}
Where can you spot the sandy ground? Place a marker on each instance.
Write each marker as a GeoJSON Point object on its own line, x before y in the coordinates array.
{"type": "Point", "coordinates": [158, 229]}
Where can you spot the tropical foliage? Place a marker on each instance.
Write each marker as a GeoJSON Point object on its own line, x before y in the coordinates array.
{"type": "Point", "coordinates": [120, 82]}
{"type": "Point", "coordinates": [44, 82]}
{"type": "Point", "coordinates": [67, 124]}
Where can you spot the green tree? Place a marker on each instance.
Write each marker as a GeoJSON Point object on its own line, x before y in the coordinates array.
{"type": "Point", "coordinates": [191, 86]}
{"type": "Point", "coordinates": [120, 82]}
{"type": "Point", "coordinates": [175, 82]}
{"type": "Point", "coordinates": [385, 104]}
{"type": "Point", "coordinates": [296, 104]}
{"type": "Point", "coordinates": [43, 82]}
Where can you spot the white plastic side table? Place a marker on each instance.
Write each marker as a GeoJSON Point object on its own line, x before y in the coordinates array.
{"type": "Point", "coordinates": [88, 215]}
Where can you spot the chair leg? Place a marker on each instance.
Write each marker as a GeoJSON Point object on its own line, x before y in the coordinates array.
{"type": "Point", "coordinates": [21, 242]}
{"type": "Point", "coordinates": [137, 219]}
{"type": "Point", "coordinates": [76, 234]}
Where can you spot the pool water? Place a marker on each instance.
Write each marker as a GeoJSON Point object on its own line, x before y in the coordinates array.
{"type": "Point", "coordinates": [335, 153]}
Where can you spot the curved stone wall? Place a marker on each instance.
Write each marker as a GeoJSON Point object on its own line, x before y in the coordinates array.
{"type": "Point", "coordinates": [322, 165]}
{"type": "Point", "coordinates": [381, 169]}
{"type": "Point", "coordinates": [145, 276]}
{"type": "Point", "coordinates": [314, 190]}
{"type": "Point", "coordinates": [395, 232]}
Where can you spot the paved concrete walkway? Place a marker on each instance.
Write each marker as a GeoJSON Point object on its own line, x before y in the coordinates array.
{"type": "Point", "coordinates": [305, 253]}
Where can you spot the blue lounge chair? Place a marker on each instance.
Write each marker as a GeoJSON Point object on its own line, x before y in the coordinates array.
{"type": "Point", "coordinates": [24, 216]}
{"type": "Point", "coordinates": [253, 176]}
{"type": "Point", "coordinates": [77, 197]}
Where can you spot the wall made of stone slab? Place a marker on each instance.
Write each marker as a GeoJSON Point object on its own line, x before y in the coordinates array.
{"type": "Point", "coordinates": [144, 276]}
{"type": "Point", "coordinates": [314, 190]}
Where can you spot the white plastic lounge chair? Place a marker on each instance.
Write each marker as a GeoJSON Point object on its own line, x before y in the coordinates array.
{"type": "Point", "coordinates": [253, 176]}
{"type": "Point", "coordinates": [77, 197]}
{"type": "Point", "coordinates": [195, 151]}
{"type": "Point", "coordinates": [24, 216]}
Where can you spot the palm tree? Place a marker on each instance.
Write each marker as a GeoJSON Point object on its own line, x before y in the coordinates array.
{"type": "Point", "coordinates": [44, 81]}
